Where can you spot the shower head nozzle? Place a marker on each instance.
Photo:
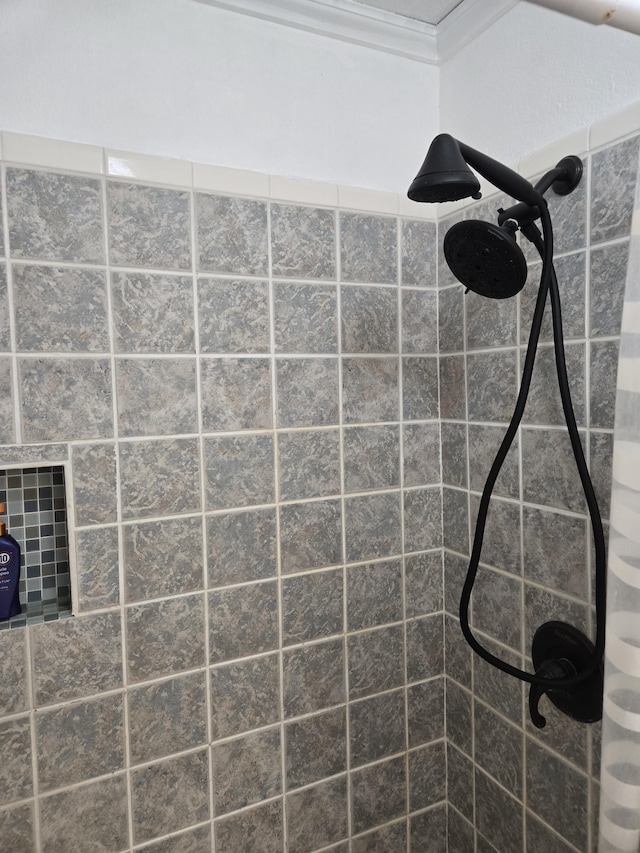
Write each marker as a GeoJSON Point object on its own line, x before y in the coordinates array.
{"type": "Point", "coordinates": [444, 175]}
{"type": "Point", "coordinates": [486, 258]}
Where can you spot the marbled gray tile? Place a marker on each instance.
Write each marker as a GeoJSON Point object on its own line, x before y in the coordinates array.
{"type": "Point", "coordinates": [7, 423]}
{"type": "Point", "coordinates": [5, 334]}
{"type": "Point", "coordinates": [312, 606]}
{"type": "Point", "coordinates": [422, 519]}
{"type": "Point", "coordinates": [175, 544]}
{"type": "Point", "coordinates": [370, 389]}
{"type": "Point", "coordinates": [544, 406]}
{"type": "Point", "coordinates": [455, 520]}
{"type": "Point", "coordinates": [100, 823]}
{"type": "Point", "coordinates": [308, 464]}
{"type": "Point", "coordinates": [484, 442]}
{"type": "Point", "coordinates": [460, 832]}
{"type": "Point", "coordinates": [613, 182]}
{"type": "Point", "coordinates": [19, 454]}
{"type": "Point", "coordinates": [568, 738]}
{"type": "Point", "coordinates": [60, 309]}
{"type": "Point", "coordinates": [418, 253]}
{"type": "Point", "coordinates": [368, 248]}
{"type": "Point", "coordinates": [166, 717]}
{"type": "Point", "coordinates": [315, 748]}
{"type": "Point", "coordinates": [305, 318]}
{"type": "Point", "coordinates": [604, 369]}
{"type": "Point", "coordinates": [246, 770]}
{"type": "Point", "coordinates": [239, 470]}
{"type": "Point", "coordinates": [549, 470]}
{"type": "Point", "coordinates": [317, 816]}
{"type": "Point", "coordinates": [454, 454]}
{"type": "Point", "coordinates": [571, 275]}
{"type": "Point", "coordinates": [421, 454]}
{"type": "Point", "coordinates": [13, 672]}
{"type": "Point", "coordinates": [307, 392]}
{"type": "Point", "coordinates": [97, 567]}
{"type": "Point", "coordinates": [600, 462]}
{"type": "Point", "coordinates": [607, 285]}
{"type": "Point", "coordinates": [156, 396]}
{"type": "Point", "coordinates": [170, 795]}
{"type": "Point", "coordinates": [460, 782]}
{"type": "Point", "coordinates": [76, 657]}
{"type": "Point", "coordinates": [540, 837]}
{"type": "Point", "coordinates": [453, 394]}
{"type": "Point", "coordinates": [243, 621]}
{"type": "Point", "coordinates": [499, 749]}
{"type": "Point", "coordinates": [16, 772]}
{"type": "Point", "coordinates": [152, 313]}
{"type": "Point", "coordinates": [491, 383]}
{"type": "Point", "coordinates": [191, 841]}
{"type": "Point", "coordinates": [372, 524]}
{"type": "Point", "coordinates": [257, 830]}
{"type": "Point", "coordinates": [501, 541]}
{"type": "Point", "coordinates": [80, 741]}
{"type": "Point", "coordinates": [497, 607]}
{"type": "Point", "coordinates": [94, 483]}
{"type": "Point", "coordinates": [369, 319]}
{"type": "Point", "coordinates": [241, 546]}
{"type": "Point", "coordinates": [374, 594]}
{"type": "Point", "coordinates": [244, 695]}
{"type": "Point", "coordinates": [233, 315]}
{"type": "Point", "coordinates": [544, 605]}
{"type": "Point", "coordinates": [455, 571]}
{"type": "Point", "coordinates": [54, 216]}
{"type": "Point", "coordinates": [64, 399]}
{"type": "Point", "coordinates": [420, 321]}
{"type": "Point", "coordinates": [425, 711]}
{"type": "Point", "coordinates": [165, 637]}
{"type": "Point", "coordinates": [423, 583]}
{"type": "Point", "coordinates": [376, 661]}
{"type": "Point", "coordinates": [310, 535]}
{"type": "Point", "coordinates": [159, 477]}
{"type": "Point", "coordinates": [378, 794]}
{"type": "Point", "coordinates": [161, 237]}
{"type": "Point", "coordinates": [235, 394]}
{"type": "Point", "coordinates": [555, 551]}
{"type": "Point", "coordinates": [17, 829]}
{"type": "Point", "coordinates": [303, 241]}
{"type": "Point", "coordinates": [391, 838]}
{"type": "Point", "coordinates": [490, 322]}
{"type": "Point", "coordinates": [419, 388]}
{"type": "Point", "coordinates": [371, 458]}
{"type": "Point", "coordinates": [425, 647]}
{"type": "Point", "coordinates": [427, 776]}
{"type": "Point", "coordinates": [377, 727]}
{"type": "Point", "coordinates": [459, 716]}
{"type": "Point", "coordinates": [451, 320]}
{"type": "Point", "coordinates": [498, 815]}
{"type": "Point", "coordinates": [314, 677]}
{"type": "Point", "coordinates": [445, 276]}
{"type": "Point", "coordinates": [569, 215]}
{"type": "Point", "coordinates": [231, 235]}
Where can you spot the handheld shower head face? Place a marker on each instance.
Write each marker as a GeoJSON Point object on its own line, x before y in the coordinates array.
{"type": "Point", "coordinates": [485, 258]}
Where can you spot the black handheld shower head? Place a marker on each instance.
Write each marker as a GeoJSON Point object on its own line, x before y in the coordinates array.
{"type": "Point", "coordinates": [486, 258]}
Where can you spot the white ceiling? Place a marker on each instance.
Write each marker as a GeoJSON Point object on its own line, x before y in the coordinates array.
{"type": "Point", "coordinates": [429, 11]}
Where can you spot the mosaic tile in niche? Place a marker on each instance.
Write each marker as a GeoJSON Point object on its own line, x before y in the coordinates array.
{"type": "Point", "coordinates": [231, 235]}
{"type": "Point", "coordinates": [369, 319]}
{"type": "Point", "coordinates": [233, 315]}
{"type": "Point", "coordinates": [235, 393]}
{"type": "Point", "coordinates": [302, 242]}
{"type": "Point", "coordinates": [243, 621]}
{"type": "Point", "coordinates": [614, 172]}
{"type": "Point", "coordinates": [156, 396]}
{"type": "Point", "coordinates": [368, 251]}
{"type": "Point", "coordinates": [418, 253]}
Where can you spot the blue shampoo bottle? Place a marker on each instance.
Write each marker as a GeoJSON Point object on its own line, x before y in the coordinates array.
{"type": "Point", "coordinates": [9, 572]}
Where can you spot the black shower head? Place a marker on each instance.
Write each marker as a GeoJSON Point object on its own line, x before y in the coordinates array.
{"type": "Point", "coordinates": [444, 175]}
{"type": "Point", "coordinates": [486, 258]}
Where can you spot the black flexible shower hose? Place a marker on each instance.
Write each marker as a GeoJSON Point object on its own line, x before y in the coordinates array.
{"type": "Point", "coordinates": [548, 284]}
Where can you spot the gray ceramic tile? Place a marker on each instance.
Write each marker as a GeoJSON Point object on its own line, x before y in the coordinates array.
{"type": "Point", "coordinates": [54, 217]}
{"type": "Point", "coordinates": [239, 470]}
{"type": "Point", "coordinates": [309, 464]}
{"type": "Point", "coordinates": [372, 524]}
{"type": "Point", "coordinates": [231, 235]}
{"type": "Point", "coordinates": [246, 770]}
{"type": "Point", "coordinates": [45, 454]}
{"type": "Point", "coordinates": [607, 284]}
{"type": "Point", "coordinates": [425, 711]}
{"type": "Point", "coordinates": [453, 394]}
{"type": "Point", "coordinates": [165, 637]}
{"type": "Point", "coordinates": [544, 406]}
{"type": "Point", "coordinates": [156, 396]}
{"type": "Point", "coordinates": [369, 319]}
{"type": "Point", "coordinates": [76, 657]}
{"type": "Point", "coordinates": [305, 318]}
{"type": "Point", "coordinates": [569, 215]}
{"type": "Point", "coordinates": [555, 551]}
{"type": "Point", "coordinates": [159, 477]}
{"type": "Point", "coordinates": [244, 695]}
{"type": "Point", "coordinates": [484, 442]}
{"type": "Point", "coordinates": [303, 241]}
{"type": "Point", "coordinates": [459, 716]}
{"type": "Point", "coordinates": [371, 458]}
{"type": "Point", "coordinates": [391, 838]}
{"type": "Point", "coordinates": [612, 190]}
{"type": "Point", "coordinates": [310, 535]}
{"type": "Point", "coordinates": [7, 424]}
{"type": "Point", "coordinates": [422, 516]}
{"type": "Point", "coordinates": [233, 315]}
{"type": "Point", "coordinates": [501, 540]}
{"type": "Point", "coordinates": [460, 833]}
{"type": "Point", "coordinates": [17, 829]}
{"type": "Point", "coordinates": [370, 389]}
{"type": "Point", "coordinates": [491, 383]}
{"type": "Point", "coordinates": [5, 336]}
{"type": "Point", "coordinates": [419, 261]}
{"type": "Point", "coordinates": [314, 677]}
{"type": "Point", "coordinates": [307, 392]}
{"type": "Point", "coordinates": [565, 736]}
{"type": "Point", "coordinates": [312, 606]}
{"type": "Point", "coordinates": [419, 388]}
{"type": "Point", "coordinates": [499, 749]}
{"type": "Point", "coordinates": [235, 394]}
{"type": "Point", "coordinates": [94, 483]}
{"type": "Point", "coordinates": [543, 605]}
{"type": "Point", "coordinates": [378, 794]}
{"type": "Point", "coordinates": [97, 566]}
{"type": "Point", "coordinates": [455, 517]}
{"type": "Point", "coordinates": [604, 368]}
{"type": "Point", "coordinates": [376, 661]}
{"type": "Point", "coordinates": [571, 274]}
{"type": "Point", "coordinates": [451, 319]}
{"type": "Point", "coordinates": [540, 837]}
{"type": "Point", "coordinates": [243, 621]}
{"type": "Point", "coordinates": [368, 248]}
{"type": "Point", "coordinates": [374, 594]}
{"type": "Point", "coordinates": [460, 782]}
{"type": "Point", "coordinates": [162, 234]}
{"type": "Point", "coordinates": [600, 462]}
{"type": "Point", "coordinates": [14, 672]}
{"type": "Point", "coordinates": [170, 795]}
{"type": "Point", "coordinates": [315, 748]}
{"type": "Point", "coordinates": [377, 727]}
{"type": "Point", "coordinates": [498, 815]}
{"type": "Point", "coordinates": [455, 571]}
{"type": "Point", "coordinates": [152, 313]}
{"type": "Point", "coordinates": [454, 454]}
{"type": "Point", "coordinates": [100, 822]}
{"type": "Point", "coordinates": [166, 717]}
{"type": "Point", "coordinates": [421, 454]}
{"type": "Point", "coordinates": [497, 608]}
{"type": "Point", "coordinates": [191, 841]}
{"type": "Point", "coordinates": [16, 773]}
{"type": "Point", "coordinates": [490, 322]}
{"type": "Point", "coordinates": [427, 776]}
{"type": "Point", "coordinates": [420, 321]}
{"type": "Point", "coordinates": [241, 546]}
{"type": "Point", "coordinates": [80, 741]}
{"type": "Point", "coordinates": [549, 470]}
{"type": "Point", "coordinates": [60, 309]}
{"type": "Point", "coordinates": [425, 641]}
{"type": "Point", "coordinates": [65, 399]}
{"type": "Point", "coordinates": [317, 816]}
{"type": "Point", "coordinates": [423, 583]}
{"type": "Point", "coordinates": [258, 830]}
{"type": "Point", "coordinates": [174, 544]}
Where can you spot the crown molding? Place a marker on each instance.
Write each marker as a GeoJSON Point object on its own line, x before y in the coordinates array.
{"type": "Point", "coordinates": [353, 22]}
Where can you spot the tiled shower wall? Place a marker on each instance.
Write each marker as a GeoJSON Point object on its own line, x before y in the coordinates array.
{"type": "Point", "coordinates": [513, 787]}
{"type": "Point", "coordinates": [244, 394]}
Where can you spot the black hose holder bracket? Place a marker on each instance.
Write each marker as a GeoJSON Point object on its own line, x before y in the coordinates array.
{"type": "Point", "coordinates": [560, 651]}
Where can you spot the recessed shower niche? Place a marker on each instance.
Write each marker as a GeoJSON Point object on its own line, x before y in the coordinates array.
{"type": "Point", "coordinates": [36, 517]}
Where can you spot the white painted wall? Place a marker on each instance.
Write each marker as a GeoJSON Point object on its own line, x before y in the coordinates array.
{"type": "Point", "coordinates": [182, 79]}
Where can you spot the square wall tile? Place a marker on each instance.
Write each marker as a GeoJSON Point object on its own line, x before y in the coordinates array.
{"type": "Point", "coordinates": [421, 452]}
{"type": "Point", "coordinates": [372, 524]}
{"type": "Point", "coordinates": [239, 470]}
{"type": "Point", "coordinates": [314, 677]}
{"type": "Point", "coordinates": [243, 621]}
{"type": "Point", "coordinates": [246, 770]}
{"type": "Point", "coordinates": [257, 830]}
{"type": "Point", "coordinates": [420, 321]}
{"type": "Point", "coordinates": [451, 320]}
{"type": "Point", "coordinates": [309, 464]}
{"type": "Point", "coordinates": [97, 567]}
{"type": "Point", "coordinates": [14, 671]}
{"type": "Point", "coordinates": [607, 286]}
{"type": "Point", "coordinates": [370, 389]}
{"type": "Point", "coordinates": [17, 828]}
{"type": "Point", "coordinates": [423, 579]}
{"type": "Point", "coordinates": [427, 776]}
{"type": "Point", "coordinates": [374, 594]}
{"type": "Point", "coordinates": [376, 727]}
{"type": "Point", "coordinates": [241, 546]}
{"type": "Point", "coordinates": [376, 661]}
{"type": "Point", "coordinates": [312, 606]}
{"type": "Point", "coordinates": [419, 388]}
{"type": "Point", "coordinates": [16, 773]}
{"type": "Point", "coordinates": [613, 172]}
{"type": "Point", "coordinates": [310, 535]}
{"type": "Point", "coordinates": [7, 423]}
{"type": "Point", "coordinates": [244, 695]}
{"type": "Point", "coordinates": [235, 393]}
{"type": "Point", "coordinates": [369, 319]}
{"type": "Point", "coordinates": [231, 235]}
{"type": "Point", "coordinates": [315, 747]}
{"type": "Point", "coordinates": [378, 794]}
{"type": "Point", "coordinates": [368, 249]}
{"type": "Point", "coordinates": [419, 262]}
{"type": "Point", "coordinates": [156, 396]}
{"type": "Point", "coordinates": [317, 816]}
{"type": "Point", "coordinates": [492, 385]}
{"type": "Point", "coordinates": [302, 242]}
{"type": "Point", "coordinates": [307, 392]}
{"type": "Point", "coordinates": [233, 315]}
{"type": "Point", "coordinates": [371, 458]}
{"type": "Point", "coordinates": [94, 483]}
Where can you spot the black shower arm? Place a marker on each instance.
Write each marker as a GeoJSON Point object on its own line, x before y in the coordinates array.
{"type": "Point", "coordinates": [501, 176]}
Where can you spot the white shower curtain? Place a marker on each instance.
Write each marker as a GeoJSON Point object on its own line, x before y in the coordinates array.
{"type": "Point", "coordinates": [620, 767]}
